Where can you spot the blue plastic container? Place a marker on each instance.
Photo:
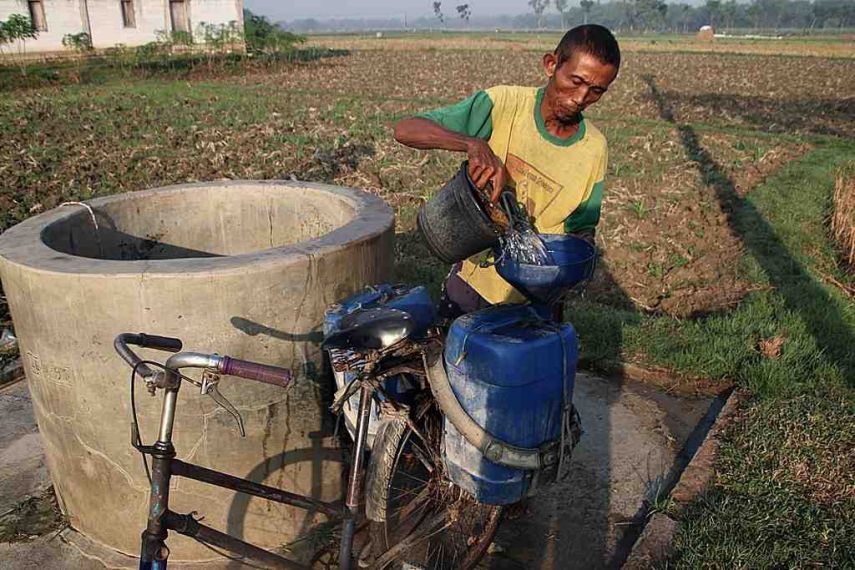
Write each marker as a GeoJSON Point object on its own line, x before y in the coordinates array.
{"type": "Point", "coordinates": [413, 300]}
{"type": "Point", "coordinates": [510, 370]}
{"type": "Point", "coordinates": [574, 260]}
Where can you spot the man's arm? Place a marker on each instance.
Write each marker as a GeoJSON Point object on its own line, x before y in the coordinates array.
{"type": "Point", "coordinates": [465, 126]}
{"type": "Point", "coordinates": [484, 165]}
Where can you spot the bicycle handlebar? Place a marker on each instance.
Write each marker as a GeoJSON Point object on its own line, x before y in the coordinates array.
{"type": "Point", "coordinates": [146, 341]}
{"type": "Point", "coordinates": [254, 371]}
{"type": "Point", "coordinates": [166, 343]}
{"type": "Point", "coordinates": [223, 364]}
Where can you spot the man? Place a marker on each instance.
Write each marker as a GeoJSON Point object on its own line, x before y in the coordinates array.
{"type": "Point", "coordinates": [535, 141]}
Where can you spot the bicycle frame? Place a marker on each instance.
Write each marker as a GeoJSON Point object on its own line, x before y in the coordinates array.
{"type": "Point", "coordinates": [154, 553]}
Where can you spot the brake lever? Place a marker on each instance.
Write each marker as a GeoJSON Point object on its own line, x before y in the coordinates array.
{"type": "Point", "coordinates": [209, 388]}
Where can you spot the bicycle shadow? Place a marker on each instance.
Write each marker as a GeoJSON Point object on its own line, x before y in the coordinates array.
{"type": "Point", "coordinates": [315, 456]}
{"type": "Point", "coordinates": [319, 458]}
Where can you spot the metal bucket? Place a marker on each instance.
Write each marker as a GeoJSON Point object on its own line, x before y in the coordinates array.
{"type": "Point", "coordinates": [454, 223]}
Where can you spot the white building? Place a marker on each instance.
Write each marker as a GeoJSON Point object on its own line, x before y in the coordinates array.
{"type": "Point", "coordinates": [111, 22]}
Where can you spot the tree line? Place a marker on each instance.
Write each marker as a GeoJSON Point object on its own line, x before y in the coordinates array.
{"type": "Point", "coordinates": [620, 15]}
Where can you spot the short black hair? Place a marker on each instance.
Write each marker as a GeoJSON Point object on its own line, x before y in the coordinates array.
{"type": "Point", "coordinates": [592, 39]}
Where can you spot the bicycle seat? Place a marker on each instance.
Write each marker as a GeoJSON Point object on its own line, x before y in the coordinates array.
{"type": "Point", "coordinates": [372, 329]}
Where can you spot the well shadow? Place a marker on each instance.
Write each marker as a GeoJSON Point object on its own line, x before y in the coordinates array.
{"type": "Point", "coordinates": [789, 277]}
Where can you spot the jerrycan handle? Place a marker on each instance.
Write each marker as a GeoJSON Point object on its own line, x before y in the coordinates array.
{"type": "Point", "coordinates": [515, 320]}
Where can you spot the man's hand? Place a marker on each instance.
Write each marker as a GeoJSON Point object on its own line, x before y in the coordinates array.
{"type": "Point", "coordinates": [485, 167]}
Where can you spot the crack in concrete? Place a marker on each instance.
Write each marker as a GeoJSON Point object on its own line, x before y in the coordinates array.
{"type": "Point", "coordinates": [270, 223]}
{"type": "Point", "coordinates": [128, 477]}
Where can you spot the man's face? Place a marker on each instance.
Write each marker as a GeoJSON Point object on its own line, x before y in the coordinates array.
{"type": "Point", "coordinates": [579, 82]}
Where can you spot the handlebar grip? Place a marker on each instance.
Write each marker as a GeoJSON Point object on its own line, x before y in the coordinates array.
{"type": "Point", "coordinates": [159, 342]}
{"type": "Point", "coordinates": [254, 371]}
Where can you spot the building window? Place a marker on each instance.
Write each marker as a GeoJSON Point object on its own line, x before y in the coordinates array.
{"type": "Point", "coordinates": [37, 15]}
{"type": "Point", "coordinates": [178, 13]}
{"type": "Point", "coordinates": [128, 18]}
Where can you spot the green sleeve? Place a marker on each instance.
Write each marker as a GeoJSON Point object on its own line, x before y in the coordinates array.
{"type": "Point", "coordinates": [587, 215]}
{"type": "Point", "coordinates": [470, 116]}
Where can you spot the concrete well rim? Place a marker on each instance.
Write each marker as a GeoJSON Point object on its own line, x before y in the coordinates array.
{"type": "Point", "coordinates": [23, 244]}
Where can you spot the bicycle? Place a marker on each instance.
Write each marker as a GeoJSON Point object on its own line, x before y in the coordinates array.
{"type": "Point", "coordinates": [415, 514]}
{"type": "Point", "coordinates": [154, 553]}
{"type": "Point", "coordinates": [382, 361]}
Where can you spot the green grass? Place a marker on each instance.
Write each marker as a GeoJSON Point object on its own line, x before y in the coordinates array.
{"type": "Point", "coordinates": [771, 506]}
{"type": "Point", "coordinates": [785, 492]}
{"type": "Point", "coordinates": [99, 69]}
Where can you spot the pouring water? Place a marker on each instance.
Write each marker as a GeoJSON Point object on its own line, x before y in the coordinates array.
{"type": "Point", "coordinates": [521, 241]}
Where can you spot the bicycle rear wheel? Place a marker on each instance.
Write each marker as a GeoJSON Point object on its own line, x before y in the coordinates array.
{"type": "Point", "coordinates": [425, 520]}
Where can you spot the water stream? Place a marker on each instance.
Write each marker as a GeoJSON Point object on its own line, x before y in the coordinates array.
{"type": "Point", "coordinates": [525, 247]}
{"type": "Point", "coordinates": [521, 241]}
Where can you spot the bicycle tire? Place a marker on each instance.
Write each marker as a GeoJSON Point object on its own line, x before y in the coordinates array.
{"type": "Point", "coordinates": [468, 527]}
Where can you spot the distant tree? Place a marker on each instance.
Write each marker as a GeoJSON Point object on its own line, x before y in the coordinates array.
{"type": "Point", "coordinates": [539, 7]}
{"type": "Point", "coordinates": [586, 8]}
{"type": "Point", "coordinates": [464, 12]}
{"type": "Point", "coordinates": [771, 12]}
{"type": "Point", "coordinates": [81, 42]}
{"type": "Point", "coordinates": [662, 10]}
{"type": "Point", "coordinates": [627, 16]}
{"type": "Point", "coordinates": [561, 6]}
{"type": "Point", "coordinates": [631, 13]}
{"type": "Point", "coordinates": [17, 29]}
{"type": "Point", "coordinates": [834, 13]}
{"type": "Point", "coordinates": [437, 10]}
{"type": "Point", "coordinates": [686, 13]}
{"type": "Point", "coordinates": [713, 9]}
{"type": "Point", "coordinates": [261, 35]}
{"type": "Point", "coordinates": [652, 13]}
{"type": "Point", "coordinates": [753, 12]}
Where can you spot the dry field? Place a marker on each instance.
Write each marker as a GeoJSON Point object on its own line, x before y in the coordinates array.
{"type": "Point", "coordinates": [665, 235]}
{"type": "Point", "coordinates": [831, 46]}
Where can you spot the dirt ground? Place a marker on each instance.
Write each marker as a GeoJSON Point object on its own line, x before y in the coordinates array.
{"type": "Point", "coordinates": [830, 46]}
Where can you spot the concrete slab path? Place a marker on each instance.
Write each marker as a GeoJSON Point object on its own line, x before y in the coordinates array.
{"type": "Point", "coordinates": [22, 467]}
{"type": "Point", "coordinates": [632, 436]}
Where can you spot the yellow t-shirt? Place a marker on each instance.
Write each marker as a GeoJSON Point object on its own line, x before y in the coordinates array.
{"type": "Point", "coordinates": [559, 181]}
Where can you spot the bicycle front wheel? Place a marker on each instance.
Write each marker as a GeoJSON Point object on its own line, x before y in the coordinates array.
{"type": "Point", "coordinates": [425, 521]}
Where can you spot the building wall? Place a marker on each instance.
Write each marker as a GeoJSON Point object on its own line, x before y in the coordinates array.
{"type": "Point", "coordinates": [214, 12]}
{"type": "Point", "coordinates": [62, 17]}
{"type": "Point", "coordinates": [105, 17]}
{"type": "Point", "coordinates": [106, 26]}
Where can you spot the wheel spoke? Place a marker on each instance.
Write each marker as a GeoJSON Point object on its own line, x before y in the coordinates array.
{"type": "Point", "coordinates": [429, 523]}
{"type": "Point", "coordinates": [413, 477]}
{"type": "Point", "coordinates": [407, 492]}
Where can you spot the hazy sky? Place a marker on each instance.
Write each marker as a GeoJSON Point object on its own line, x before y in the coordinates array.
{"type": "Point", "coordinates": [291, 9]}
